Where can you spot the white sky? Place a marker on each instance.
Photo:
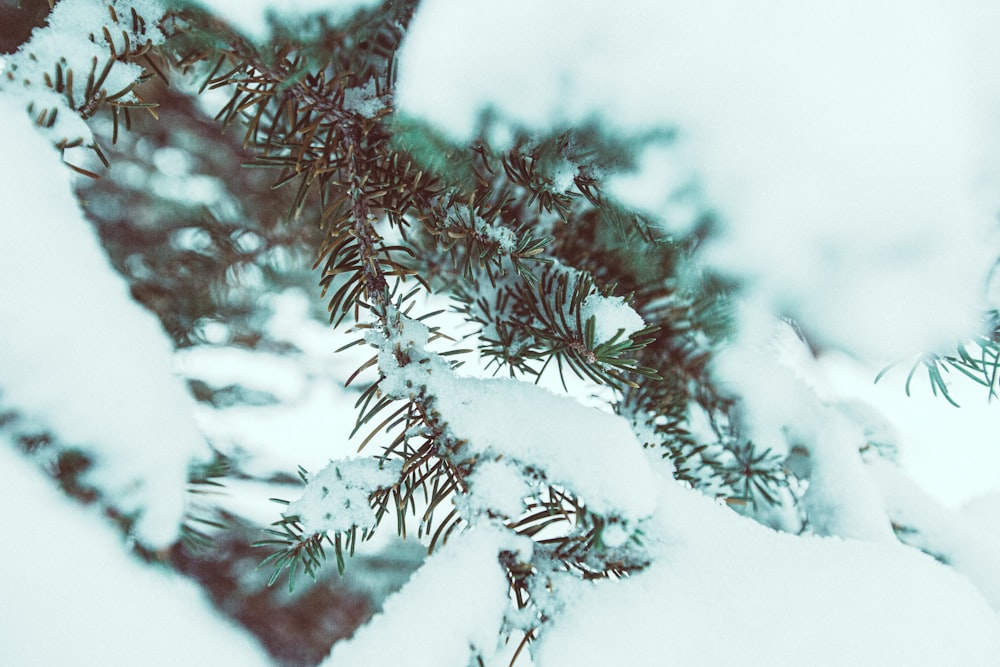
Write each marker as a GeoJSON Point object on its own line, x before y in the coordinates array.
{"type": "Point", "coordinates": [953, 453]}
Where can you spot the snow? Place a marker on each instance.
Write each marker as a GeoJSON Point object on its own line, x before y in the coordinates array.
{"type": "Point", "coordinates": [984, 513]}
{"type": "Point", "coordinates": [725, 590]}
{"type": "Point", "coordinates": [969, 549]}
{"type": "Point", "coordinates": [450, 607]}
{"type": "Point", "coordinates": [589, 451]}
{"type": "Point", "coordinates": [802, 599]}
{"type": "Point", "coordinates": [73, 596]}
{"type": "Point", "coordinates": [585, 449]}
{"type": "Point", "coordinates": [364, 100]}
{"type": "Point", "coordinates": [784, 404]}
{"type": "Point", "coordinates": [841, 500]}
{"type": "Point", "coordinates": [269, 439]}
{"type": "Point", "coordinates": [190, 189]}
{"type": "Point", "coordinates": [307, 414]}
{"type": "Point", "coordinates": [663, 185]}
{"type": "Point", "coordinates": [936, 441]}
{"type": "Point", "coordinates": [497, 233]}
{"type": "Point", "coordinates": [253, 17]}
{"type": "Point", "coordinates": [80, 355]}
{"type": "Point", "coordinates": [290, 322]}
{"type": "Point", "coordinates": [612, 317]}
{"type": "Point", "coordinates": [221, 366]}
{"type": "Point", "coordinates": [336, 499]}
{"type": "Point", "coordinates": [495, 487]}
{"type": "Point", "coordinates": [851, 184]}
{"type": "Point", "coordinates": [847, 148]}
{"type": "Point", "coordinates": [67, 40]}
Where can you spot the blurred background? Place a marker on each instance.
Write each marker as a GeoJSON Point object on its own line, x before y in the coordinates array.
{"type": "Point", "coordinates": [207, 246]}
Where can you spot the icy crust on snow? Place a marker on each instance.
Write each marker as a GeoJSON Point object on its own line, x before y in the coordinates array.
{"type": "Point", "coordinates": [724, 590]}
{"type": "Point", "coordinates": [848, 148]}
{"type": "Point", "coordinates": [74, 37]}
{"type": "Point", "coordinates": [336, 499]}
{"type": "Point", "coordinates": [452, 606]}
{"type": "Point", "coordinates": [78, 353]}
{"type": "Point", "coordinates": [72, 595]}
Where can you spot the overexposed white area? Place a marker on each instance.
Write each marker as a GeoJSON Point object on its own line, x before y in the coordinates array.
{"type": "Point", "coordinates": [726, 590]}
{"type": "Point", "coordinates": [78, 353]}
{"type": "Point", "coordinates": [984, 511]}
{"type": "Point", "coordinates": [953, 453]}
{"type": "Point", "coordinates": [709, 565]}
{"type": "Point", "coordinates": [848, 148]}
{"type": "Point", "coordinates": [72, 595]}
{"type": "Point", "coordinates": [252, 17]}
{"type": "Point", "coordinates": [452, 605]}
{"type": "Point", "coordinates": [311, 416]}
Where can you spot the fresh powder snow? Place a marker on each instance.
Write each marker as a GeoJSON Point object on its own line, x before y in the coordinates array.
{"type": "Point", "coordinates": [79, 598]}
{"type": "Point", "coordinates": [454, 604]}
{"type": "Point", "coordinates": [80, 355]}
{"type": "Point", "coordinates": [336, 499]}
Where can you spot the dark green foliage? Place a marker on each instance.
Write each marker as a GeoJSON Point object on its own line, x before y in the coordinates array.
{"type": "Point", "coordinates": [528, 324]}
{"type": "Point", "coordinates": [521, 237]}
{"type": "Point", "coordinates": [298, 550]}
{"type": "Point", "coordinates": [204, 479]}
{"type": "Point", "coordinates": [756, 474]}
